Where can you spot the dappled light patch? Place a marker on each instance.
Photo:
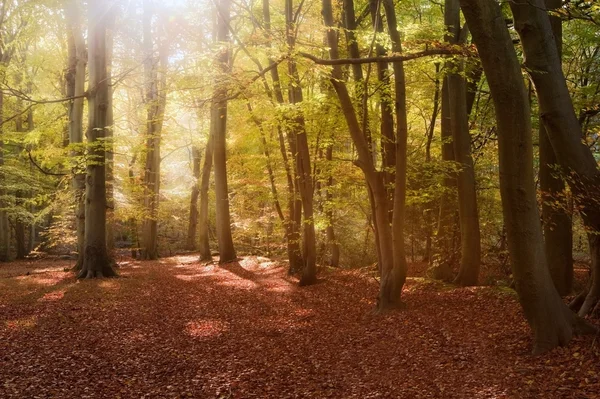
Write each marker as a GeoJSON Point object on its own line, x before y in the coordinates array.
{"type": "Point", "coordinates": [109, 285]}
{"type": "Point", "coordinates": [53, 296]}
{"type": "Point", "coordinates": [206, 328]}
{"type": "Point", "coordinates": [21, 324]}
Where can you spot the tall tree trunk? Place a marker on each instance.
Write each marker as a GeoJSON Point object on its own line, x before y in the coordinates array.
{"type": "Point", "coordinates": [302, 155]}
{"type": "Point", "coordinates": [553, 324]}
{"type": "Point", "coordinates": [542, 60]}
{"type": "Point", "coordinates": [193, 219]}
{"type": "Point", "coordinates": [391, 276]}
{"type": "Point", "coordinates": [110, 145]}
{"type": "Point", "coordinates": [392, 289]}
{"type": "Point", "coordinates": [429, 205]}
{"type": "Point", "coordinates": [334, 248]}
{"type": "Point", "coordinates": [155, 107]}
{"type": "Point", "coordinates": [558, 229]}
{"type": "Point", "coordinates": [96, 261]}
{"type": "Point", "coordinates": [75, 80]}
{"type": "Point", "coordinates": [459, 120]}
{"type": "Point", "coordinates": [294, 218]}
{"type": "Point", "coordinates": [203, 223]}
{"type": "Point", "coordinates": [444, 257]}
{"type": "Point", "coordinates": [219, 126]}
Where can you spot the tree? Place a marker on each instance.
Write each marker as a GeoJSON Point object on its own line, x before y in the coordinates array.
{"type": "Point", "coordinates": [459, 123]}
{"type": "Point", "coordinates": [193, 218]}
{"type": "Point", "coordinates": [552, 322]}
{"type": "Point", "coordinates": [562, 127]}
{"type": "Point", "coordinates": [75, 79]}
{"type": "Point", "coordinates": [155, 99]}
{"type": "Point", "coordinates": [96, 261]}
{"type": "Point", "coordinates": [218, 128]}
{"type": "Point", "coordinates": [558, 231]}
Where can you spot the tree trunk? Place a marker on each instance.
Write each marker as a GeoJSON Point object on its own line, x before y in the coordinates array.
{"type": "Point", "coordinates": [459, 121]}
{"type": "Point", "coordinates": [334, 248]}
{"type": "Point", "coordinates": [219, 126]}
{"type": "Point", "coordinates": [75, 88]}
{"type": "Point", "coordinates": [110, 145]}
{"type": "Point", "coordinates": [391, 273]}
{"type": "Point", "coordinates": [558, 230]}
{"type": "Point", "coordinates": [542, 60]}
{"type": "Point", "coordinates": [203, 236]}
{"type": "Point", "coordinates": [553, 324]}
{"type": "Point", "coordinates": [193, 219]}
{"type": "Point", "coordinates": [444, 257]}
{"type": "Point", "coordinates": [155, 99]}
{"type": "Point", "coordinates": [96, 262]}
{"type": "Point", "coordinates": [302, 155]}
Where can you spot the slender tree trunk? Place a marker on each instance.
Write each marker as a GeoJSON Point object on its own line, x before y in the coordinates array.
{"type": "Point", "coordinates": [75, 88]}
{"type": "Point", "coordinates": [334, 248]}
{"type": "Point", "coordinates": [110, 146]}
{"type": "Point", "coordinates": [294, 218]}
{"type": "Point", "coordinates": [461, 140]}
{"type": "Point", "coordinates": [96, 261]}
{"type": "Point", "coordinates": [445, 252]}
{"type": "Point", "coordinates": [203, 236]}
{"type": "Point", "coordinates": [391, 275]}
{"type": "Point", "coordinates": [302, 155]}
{"type": "Point", "coordinates": [542, 59]}
{"type": "Point", "coordinates": [428, 206]}
{"type": "Point", "coordinates": [558, 230]}
{"type": "Point", "coordinates": [553, 324]}
{"type": "Point", "coordinates": [193, 219]}
{"type": "Point", "coordinates": [155, 107]}
{"type": "Point", "coordinates": [4, 225]}
{"type": "Point", "coordinates": [391, 288]}
{"type": "Point", "coordinates": [219, 126]}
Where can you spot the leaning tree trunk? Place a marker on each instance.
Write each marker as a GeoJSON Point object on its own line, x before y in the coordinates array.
{"type": "Point", "coordinates": [542, 60]}
{"type": "Point", "coordinates": [193, 219]}
{"type": "Point", "coordinates": [96, 261]}
{"type": "Point", "coordinates": [552, 322]}
{"type": "Point", "coordinates": [558, 228]}
{"type": "Point", "coordinates": [391, 277]}
{"type": "Point", "coordinates": [459, 120]}
{"type": "Point", "coordinates": [219, 126]}
{"type": "Point", "coordinates": [75, 88]}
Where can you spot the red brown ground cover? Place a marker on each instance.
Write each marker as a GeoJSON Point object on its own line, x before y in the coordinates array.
{"type": "Point", "coordinates": [177, 329]}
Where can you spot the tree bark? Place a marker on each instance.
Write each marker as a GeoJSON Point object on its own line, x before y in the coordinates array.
{"type": "Point", "coordinates": [558, 229]}
{"type": "Point", "coordinates": [203, 222]}
{"type": "Point", "coordinates": [391, 275]}
{"type": "Point", "coordinates": [155, 101]}
{"type": "Point", "coordinates": [334, 248]}
{"type": "Point", "coordinates": [193, 219]}
{"type": "Point", "coordinates": [96, 261]}
{"type": "Point", "coordinates": [553, 324]}
{"type": "Point", "coordinates": [302, 158]}
{"type": "Point", "coordinates": [459, 121]}
{"type": "Point", "coordinates": [543, 64]}
{"type": "Point", "coordinates": [77, 54]}
{"type": "Point", "coordinates": [219, 125]}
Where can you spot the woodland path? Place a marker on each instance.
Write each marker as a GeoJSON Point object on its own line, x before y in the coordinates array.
{"type": "Point", "coordinates": [177, 329]}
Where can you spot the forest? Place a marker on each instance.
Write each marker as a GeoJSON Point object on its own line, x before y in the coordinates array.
{"type": "Point", "coordinates": [309, 198]}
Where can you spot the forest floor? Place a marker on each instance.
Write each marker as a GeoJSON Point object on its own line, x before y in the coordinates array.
{"type": "Point", "coordinates": [176, 328]}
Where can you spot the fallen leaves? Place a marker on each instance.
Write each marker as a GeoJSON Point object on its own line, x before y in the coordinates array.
{"type": "Point", "coordinates": [177, 329]}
